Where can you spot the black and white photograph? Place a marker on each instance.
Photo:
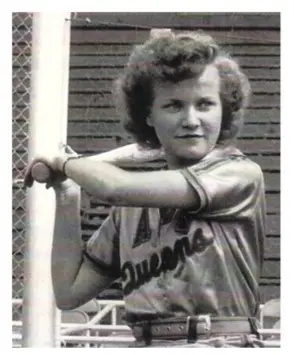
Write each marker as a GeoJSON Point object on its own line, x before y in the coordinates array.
{"type": "Point", "coordinates": [146, 180]}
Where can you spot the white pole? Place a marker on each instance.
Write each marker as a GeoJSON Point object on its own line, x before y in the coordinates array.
{"type": "Point", "coordinates": [48, 128]}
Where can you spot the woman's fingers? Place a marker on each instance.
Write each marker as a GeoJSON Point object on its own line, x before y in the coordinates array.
{"type": "Point", "coordinates": [69, 150]}
{"type": "Point", "coordinates": [28, 179]}
{"type": "Point", "coordinates": [48, 170]}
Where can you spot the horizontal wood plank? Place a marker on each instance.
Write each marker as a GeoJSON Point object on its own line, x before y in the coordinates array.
{"type": "Point", "coordinates": [97, 61]}
{"type": "Point", "coordinates": [272, 182]}
{"type": "Point", "coordinates": [273, 203]}
{"type": "Point", "coordinates": [140, 35]}
{"type": "Point", "coordinates": [269, 292]}
{"type": "Point", "coordinates": [113, 36]}
{"type": "Point", "coordinates": [96, 86]}
{"type": "Point", "coordinates": [240, 49]}
{"type": "Point", "coordinates": [100, 86]}
{"type": "Point", "coordinates": [273, 225]}
{"type": "Point", "coordinates": [124, 49]}
{"type": "Point", "coordinates": [272, 247]}
{"type": "Point", "coordinates": [105, 113]}
{"type": "Point", "coordinates": [96, 129]}
{"type": "Point", "coordinates": [268, 163]}
{"type": "Point", "coordinates": [95, 146]}
{"type": "Point", "coordinates": [88, 145]}
{"type": "Point", "coordinates": [253, 115]}
{"type": "Point", "coordinates": [271, 268]}
{"type": "Point", "coordinates": [103, 99]}
{"type": "Point", "coordinates": [267, 115]}
{"type": "Point", "coordinates": [83, 61]}
{"type": "Point", "coordinates": [179, 19]}
{"type": "Point", "coordinates": [248, 146]}
{"type": "Point", "coordinates": [165, 19]}
{"type": "Point", "coordinates": [112, 73]}
{"type": "Point", "coordinates": [99, 128]}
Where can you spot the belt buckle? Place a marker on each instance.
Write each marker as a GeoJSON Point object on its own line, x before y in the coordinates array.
{"type": "Point", "coordinates": [203, 324]}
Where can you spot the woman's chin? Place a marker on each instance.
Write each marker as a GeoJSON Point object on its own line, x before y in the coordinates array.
{"type": "Point", "coordinates": [194, 154]}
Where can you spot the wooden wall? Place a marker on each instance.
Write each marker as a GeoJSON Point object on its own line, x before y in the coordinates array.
{"type": "Point", "coordinates": [99, 49]}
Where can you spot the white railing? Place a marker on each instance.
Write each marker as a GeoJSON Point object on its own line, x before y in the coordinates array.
{"type": "Point", "coordinates": [89, 331]}
{"type": "Point", "coordinates": [86, 320]}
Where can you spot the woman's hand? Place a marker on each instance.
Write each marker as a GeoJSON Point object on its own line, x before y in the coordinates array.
{"type": "Point", "coordinates": [57, 178]}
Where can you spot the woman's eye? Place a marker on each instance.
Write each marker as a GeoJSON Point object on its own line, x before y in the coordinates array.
{"type": "Point", "coordinates": [174, 105]}
{"type": "Point", "coordinates": [205, 104]}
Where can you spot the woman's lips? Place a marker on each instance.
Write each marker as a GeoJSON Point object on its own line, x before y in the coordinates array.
{"type": "Point", "coordinates": [185, 136]}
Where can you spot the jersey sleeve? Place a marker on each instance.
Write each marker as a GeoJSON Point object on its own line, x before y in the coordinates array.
{"type": "Point", "coordinates": [102, 249]}
{"type": "Point", "coordinates": [226, 187]}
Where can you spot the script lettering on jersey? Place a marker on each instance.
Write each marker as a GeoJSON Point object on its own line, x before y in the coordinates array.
{"type": "Point", "coordinates": [136, 275]}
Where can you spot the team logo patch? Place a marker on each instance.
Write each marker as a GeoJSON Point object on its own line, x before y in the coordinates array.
{"type": "Point", "coordinates": [143, 234]}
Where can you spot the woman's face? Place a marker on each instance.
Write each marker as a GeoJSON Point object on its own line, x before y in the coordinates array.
{"type": "Point", "coordinates": [187, 117]}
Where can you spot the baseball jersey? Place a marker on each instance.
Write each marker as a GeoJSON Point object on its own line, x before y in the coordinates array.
{"type": "Point", "coordinates": [204, 260]}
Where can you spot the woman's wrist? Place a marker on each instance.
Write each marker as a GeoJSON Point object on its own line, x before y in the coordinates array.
{"type": "Point", "coordinates": [66, 160]}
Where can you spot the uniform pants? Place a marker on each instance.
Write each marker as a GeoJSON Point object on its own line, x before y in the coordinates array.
{"type": "Point", "coordinates": [248, 341]}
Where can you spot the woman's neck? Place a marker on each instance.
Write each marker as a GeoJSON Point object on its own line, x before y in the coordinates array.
{"type": "Point", "coordinates": [180, 163]}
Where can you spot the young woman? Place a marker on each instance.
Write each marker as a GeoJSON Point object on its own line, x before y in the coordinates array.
{"type": "Point", "coordinates": [187, 242]}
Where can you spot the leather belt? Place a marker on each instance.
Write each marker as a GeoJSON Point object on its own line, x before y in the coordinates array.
{"type": "Point", "coordinates": [193, 327]}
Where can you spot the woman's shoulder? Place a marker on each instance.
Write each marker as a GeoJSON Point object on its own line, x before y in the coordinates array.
{"type": "Point", "coordinates": [228, 160]}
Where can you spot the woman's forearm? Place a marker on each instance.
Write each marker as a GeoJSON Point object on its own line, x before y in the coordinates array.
{"type": "Point", "coordinates": [67, 244]}
{"type": "Point", "coordinates": [99, 179]}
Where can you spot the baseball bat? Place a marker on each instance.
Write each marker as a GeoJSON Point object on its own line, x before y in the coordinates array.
{"type": "Point", "coordinates": [41, 172]}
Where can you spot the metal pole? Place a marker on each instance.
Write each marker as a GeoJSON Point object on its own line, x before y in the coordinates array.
{"type": "Point", "coordinates": [48, 128]}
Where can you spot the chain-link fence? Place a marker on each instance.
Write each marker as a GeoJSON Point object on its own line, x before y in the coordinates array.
{"type": "Point", "coordinates": [21, 56]}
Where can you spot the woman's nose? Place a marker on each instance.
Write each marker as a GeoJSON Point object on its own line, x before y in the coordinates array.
{"type": "Point", "coordinates": [191, 120]}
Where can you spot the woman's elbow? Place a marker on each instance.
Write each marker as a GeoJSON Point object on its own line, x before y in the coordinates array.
{"type": "Point", "coordinates": [65, 300]}
{"type": "Point", "coordinates": [66, 303]}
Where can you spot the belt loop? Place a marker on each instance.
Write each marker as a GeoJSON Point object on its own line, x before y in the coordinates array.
{"type": "Point", "coordinates": [146, 333]}
{"type": "Point", "coordinates": [194, 322]}
{"type": "Point", "coordinates": [192, 329]}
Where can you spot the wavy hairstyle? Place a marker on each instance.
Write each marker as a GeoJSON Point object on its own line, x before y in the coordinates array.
{"type": "Point", "coordinates": [175, 57]}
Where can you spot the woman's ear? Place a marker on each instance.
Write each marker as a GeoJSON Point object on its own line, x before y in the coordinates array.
{"type": "Point", "coordinates": [149, 121]}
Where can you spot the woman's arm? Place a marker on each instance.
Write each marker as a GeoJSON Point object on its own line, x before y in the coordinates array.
{"type": "Point", "coordinates": [126, 155]}
{"type": "Point", "coordinates": [75, 281]}
{"type": "Point", "coordinates": [123, 188]}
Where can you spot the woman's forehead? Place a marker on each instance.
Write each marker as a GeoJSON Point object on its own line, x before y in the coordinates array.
{"type": "Point", "coordinates": [207, 82]}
